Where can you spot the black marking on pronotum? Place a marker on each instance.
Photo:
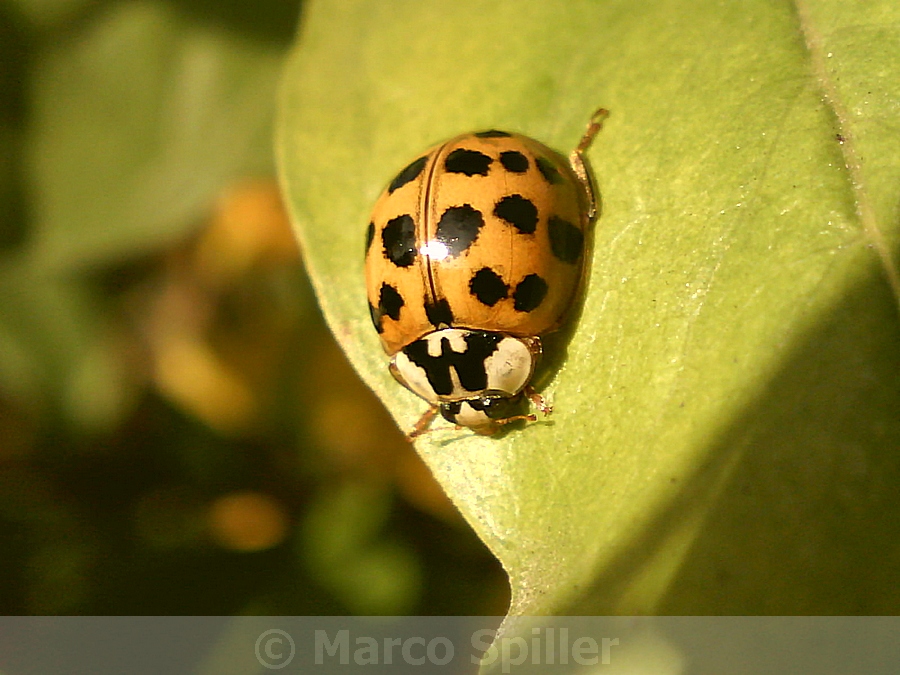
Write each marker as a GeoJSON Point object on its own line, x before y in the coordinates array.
{"type": "Point", "coordinates": [399, 240]}
{"type": "Point", "coordinates": [519, 212]}
{"type": "Point", "coordinates": [566, 240]}
{"type": "Point", "coordinates": [439, 313]}
{"type": "Point", "coordinates": [514, 161]}
{"type": "Point", "coordinates": [468, 162]}
{"type": "Point", "coordinates": [548, 171]}
{"type": "Point", "coordinates": [469, 365]}
{"type": "Point", "coordinates": [370, 235]}
{"type": "Point", "coordinates": [410, 173]}
{"type": "Point", "coordinates": [529, 293]}
{"type": "Point", "coordinates": [492, 133]}
{"type": "Point", "coordinates": [458, 228]}
{"type": "Point", "coordinates": [376, 319]}
{"type": "Point", "coordinates": [390, 302]}
{"type": "Point", "coordinates": [488, 287]}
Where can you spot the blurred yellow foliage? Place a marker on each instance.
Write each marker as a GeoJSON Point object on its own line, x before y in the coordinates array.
{"type": "Point", "coordinates": [247, 521]}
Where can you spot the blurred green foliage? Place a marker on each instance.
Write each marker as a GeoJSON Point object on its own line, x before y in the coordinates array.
{"type": "Point", "coordinates": [178, 431]}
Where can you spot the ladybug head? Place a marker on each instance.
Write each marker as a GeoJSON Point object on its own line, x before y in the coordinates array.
{"type": "Point", "coordinates": [485, 413]}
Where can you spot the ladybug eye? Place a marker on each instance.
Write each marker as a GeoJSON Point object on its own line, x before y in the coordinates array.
{"type": "Point", "coordinates": [496, 408]}
{"type": "Point", "coordinates": [450, 411]}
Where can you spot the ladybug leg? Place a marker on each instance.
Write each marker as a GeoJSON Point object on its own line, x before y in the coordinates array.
{"type": "Point", "coordinates": [424, 423]}
{"type": "Point", "coordinates": [531, 417]}
{"type": "Point", "coordinates": [538, 401]}
{"type": "Point", "coordinates": [577, 160]}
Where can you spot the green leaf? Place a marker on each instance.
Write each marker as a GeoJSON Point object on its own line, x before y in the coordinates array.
{"type": "Point", "coordinates": [727, 415]}
{"type": "Point", "coordinates": [141, 115]}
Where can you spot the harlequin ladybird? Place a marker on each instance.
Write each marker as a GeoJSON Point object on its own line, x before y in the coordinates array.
{"type": "Point", "coordinates": [475, 250]}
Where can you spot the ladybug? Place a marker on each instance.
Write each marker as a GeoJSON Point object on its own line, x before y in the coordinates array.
{"type": "Point", "coordinates": [474, 251]}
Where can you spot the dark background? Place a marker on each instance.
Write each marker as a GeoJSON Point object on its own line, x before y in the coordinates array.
{"type": "Point", "coordinates": [179, 433]}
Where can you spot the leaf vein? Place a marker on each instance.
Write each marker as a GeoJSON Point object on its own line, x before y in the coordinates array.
{"type": "Point", "coordinates": [864, 210]}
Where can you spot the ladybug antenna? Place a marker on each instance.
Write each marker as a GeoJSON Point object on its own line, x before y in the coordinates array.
{"type": "Point", "coordinates": [538, 400]}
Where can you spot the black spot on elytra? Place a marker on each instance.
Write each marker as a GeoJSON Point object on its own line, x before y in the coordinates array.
{"type": "Point", "coordinates": [529, 293]}
{"type": "Point", "coordinates": [548, 171]}
{"type": "Point", "coordinates": [439, 313]}
{"type": "Point", "coordinates": [399, 240]}
{"type": "Point", "coordinates": [370, 235]}
{"type": "Point", "coordinates": [492, 133]}
{"type": "Point", "coordinates": [376, 319]}
{"type": "Point", "coordinates": [566, 240]}
{"type": "Point", "coordinates": [469, 365]}
{"type": "Point", "coordinates": [458, 228]}
{"type": "Point", "coordinates": [513, 161]}
{"type": "Point", "coordinates": [518, 212]}
{"type": "Point", "coordinates": [468, 162]}
{"type": "Point", "coordinates": [410, 173]}
{"type": "Point", "coordinates": [390, 302]}
{"type": "Point", "coordinates": [488, 287]}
